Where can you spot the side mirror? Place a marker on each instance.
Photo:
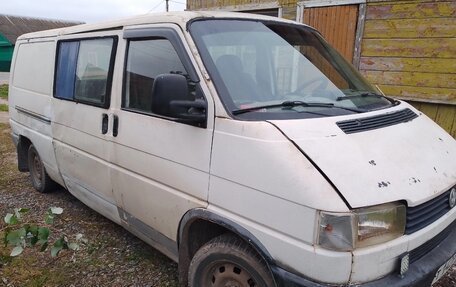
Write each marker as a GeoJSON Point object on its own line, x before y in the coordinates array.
{"type": "Point", "coordinates": [172, 98]}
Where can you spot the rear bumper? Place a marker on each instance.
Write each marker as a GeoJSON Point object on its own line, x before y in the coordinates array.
{"type": "Point", "coordinates": [15, 138]}
{"type": "Point", "coordinates": [421, 272]}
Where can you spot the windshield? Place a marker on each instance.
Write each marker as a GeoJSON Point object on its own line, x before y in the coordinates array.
{"type": "Point", "coordinates": [256, 66]}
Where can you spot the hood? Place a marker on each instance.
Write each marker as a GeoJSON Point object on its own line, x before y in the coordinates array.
{"type": "Point", "coordinates": [412, 161]}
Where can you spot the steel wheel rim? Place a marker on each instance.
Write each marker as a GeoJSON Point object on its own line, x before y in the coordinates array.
{"type": "Point", "coordinates": [36, 168]}
{"type": "Point", "coordinates": [227, 274]}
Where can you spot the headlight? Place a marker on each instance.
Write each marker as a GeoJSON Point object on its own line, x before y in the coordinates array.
{"type": "Point", "coordinates": [361, 227]}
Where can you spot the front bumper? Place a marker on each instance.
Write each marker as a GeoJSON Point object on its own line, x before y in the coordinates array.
{"type": "Point", "coordinates": [421, 272]}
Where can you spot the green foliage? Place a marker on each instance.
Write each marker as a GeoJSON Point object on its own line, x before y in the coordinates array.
{"type": "Point", "coordinates": [21, 235]}
{"type": "Point", "coordinates": [4, 92]}
{"type": "Point", "coordinates": [51, 213]}
{"type": "Point", "coordinates": [3, 108]}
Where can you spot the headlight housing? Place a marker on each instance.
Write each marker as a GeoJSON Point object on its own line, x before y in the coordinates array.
{"type": "Point", "coordinates": [361, 227]}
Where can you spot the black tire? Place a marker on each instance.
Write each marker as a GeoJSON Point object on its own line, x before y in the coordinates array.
{"type": "Point", "coordinates": [38, 175]}
{"type": "Point", "coordinates": [228, 261]}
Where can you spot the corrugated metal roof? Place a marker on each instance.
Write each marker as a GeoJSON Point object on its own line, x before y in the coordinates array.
{"type": "Point", "coordinates": [12, 27]}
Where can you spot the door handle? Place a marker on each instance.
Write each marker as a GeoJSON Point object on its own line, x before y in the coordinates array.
{"type": "Point", "coordinates": [104, 124]}
{"type": "Point", "coordinates": [115, 126]}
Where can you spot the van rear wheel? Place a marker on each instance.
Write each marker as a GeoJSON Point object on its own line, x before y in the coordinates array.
{"type": "Point", "coordinates": [38, 175]}
{"type": "Point", "coordinates": [227, 261]}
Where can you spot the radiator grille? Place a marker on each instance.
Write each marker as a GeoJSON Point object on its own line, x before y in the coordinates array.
{"type": "Point", "coordinates": [376, 122]}
{"type": "Point", "coordinates": [424, 214]}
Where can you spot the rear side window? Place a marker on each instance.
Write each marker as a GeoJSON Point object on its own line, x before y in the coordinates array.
{"type": "Point", "coordinates": [84, 70]}
{"type": "Point", "coordinates": [32, 70]}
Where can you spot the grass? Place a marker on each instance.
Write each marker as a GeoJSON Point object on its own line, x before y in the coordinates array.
{"type": "Point", "coordinates": [10, 178]}
{"type": "Point", "coordinates": [3, 108]}
{"type": "Point", "coordinates": [32, 273]}
{"type": "Point", "coordinates": [4, 92]}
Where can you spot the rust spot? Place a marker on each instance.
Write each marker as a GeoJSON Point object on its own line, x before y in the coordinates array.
{"type": "Point", "coordinates": [383, 184]}
{"type": "Point", "coordinates": [372, 162]}
{"type": "Point", "coordinates": [413, 180]}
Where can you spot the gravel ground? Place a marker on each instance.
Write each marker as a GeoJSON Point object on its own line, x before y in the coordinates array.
{"type": "Point", "coordinates": [112, 257]}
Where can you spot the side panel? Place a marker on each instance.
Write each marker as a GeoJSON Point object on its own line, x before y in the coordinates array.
{"type": "Point", "coordinates": [261, 181]}
{"type": "Point", "coordinates": [82, 146]}
{"type": "Point", "coordinates": [160, 167]}
{"type": "Point", "coordinates": [30, 96]}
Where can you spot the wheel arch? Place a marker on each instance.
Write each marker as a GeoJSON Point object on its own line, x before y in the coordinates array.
{"type": "Point", "coordinates": [190, 237]}
{"type": "Point", "coordinates": [22, 147]}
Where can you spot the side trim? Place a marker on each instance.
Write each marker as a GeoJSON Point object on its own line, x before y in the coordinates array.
{"type": "Point", "coordinates": [288, 279]}
{"type": "Point", "coordinates": [34, 115]}
{"type": "Point", "coordinates": [148, 234]}
{"type": "Point", "coordinates": [159, 33]}
{"type": "Point", "coordinates": [200, 213]}
{"type": "Point", "coordinates": [203, 214]}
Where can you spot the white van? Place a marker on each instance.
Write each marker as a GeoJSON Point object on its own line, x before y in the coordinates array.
{"type": "Point", "coordinates": [243, 147]}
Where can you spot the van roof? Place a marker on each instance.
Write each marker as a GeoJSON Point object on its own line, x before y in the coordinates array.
{"type": "Point", "coordinates": [180, 18]}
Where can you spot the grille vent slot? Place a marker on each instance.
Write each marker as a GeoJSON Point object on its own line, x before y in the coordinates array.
{"type": "Point", "coordinates": [376, 122]}
{"type": "Point", "coordinates": [424, 214]}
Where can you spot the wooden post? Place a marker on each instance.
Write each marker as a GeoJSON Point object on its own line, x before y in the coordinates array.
{"type": "Point", "coordinates": [359, 35]}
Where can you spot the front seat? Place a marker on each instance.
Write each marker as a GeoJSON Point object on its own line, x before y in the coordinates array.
{"type": "Point", "coordinates": [240, 85]}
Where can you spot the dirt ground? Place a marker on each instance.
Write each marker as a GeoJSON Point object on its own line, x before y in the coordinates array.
{"type": "Point", "coordinates": [3, 117]}
{"type": "Point", "coordinates": [112, 257]}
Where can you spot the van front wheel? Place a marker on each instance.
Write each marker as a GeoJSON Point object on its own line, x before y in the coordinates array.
{"type": "Point", "coordinates": [228, 261]}
{"type": "Point", "coordinates": [38, 175]}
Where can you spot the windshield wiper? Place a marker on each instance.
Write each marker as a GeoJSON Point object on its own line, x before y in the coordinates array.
{"type": "Point", "coordinates": [362, 95]}
{"type": "Point", "coordinates": [291, 104]}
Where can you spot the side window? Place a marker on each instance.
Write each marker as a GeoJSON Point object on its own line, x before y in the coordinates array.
{"type": "Point", "coordinates": [32, 71]}
{"type": "Point", "coordinates": [84, 70]}
{"type": "Point", "coordinates": [145, 61]}
{"type": "Point", "coordinates": [66, 69]}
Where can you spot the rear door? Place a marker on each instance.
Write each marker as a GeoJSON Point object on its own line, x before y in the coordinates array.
{"type": "Point", "coordinates": [160, 166]}
{"type": "Point", "coordinates": [82, 117]}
